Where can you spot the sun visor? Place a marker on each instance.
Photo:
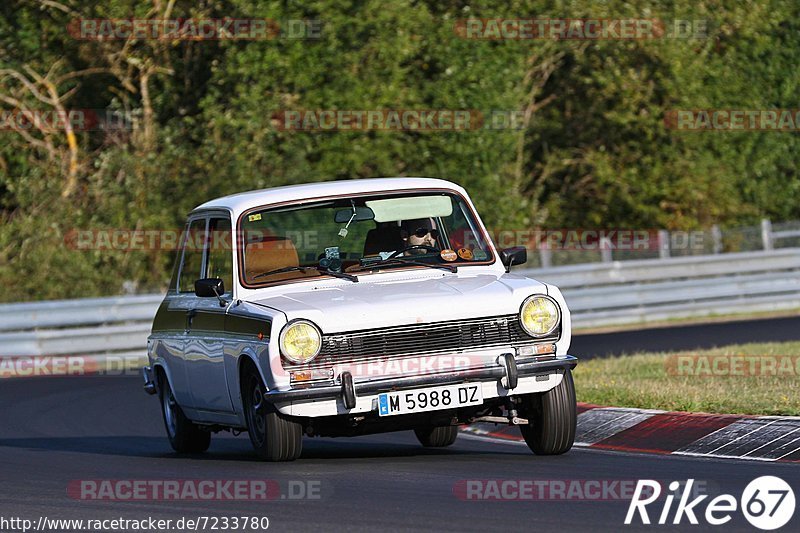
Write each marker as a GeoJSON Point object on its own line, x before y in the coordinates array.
{"type": "Point", "coordinates": [391, 209]}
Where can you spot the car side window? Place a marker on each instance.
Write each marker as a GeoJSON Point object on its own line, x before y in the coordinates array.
{"type": "Point", "coordinates": [192, 264]}
{"type": "Point", "coordinates": [220, 258]}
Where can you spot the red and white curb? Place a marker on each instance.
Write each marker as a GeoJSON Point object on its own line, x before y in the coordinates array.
{"type": "Point", "coordinates": [757, 438]}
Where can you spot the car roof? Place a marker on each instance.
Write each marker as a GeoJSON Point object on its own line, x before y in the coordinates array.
{"type": "Point", "coordinates": [239, 202]}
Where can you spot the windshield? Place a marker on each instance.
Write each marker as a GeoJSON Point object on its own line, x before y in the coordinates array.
{"type": "Point", "coordinates": [359, 235]}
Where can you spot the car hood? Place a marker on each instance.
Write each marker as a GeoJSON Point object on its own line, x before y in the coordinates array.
{"type": "Point", "coordinates": [345, 306]}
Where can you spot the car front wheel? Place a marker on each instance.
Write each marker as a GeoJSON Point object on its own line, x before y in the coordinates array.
{"type": "Point", "coordinates": [274, 437]}
{"type": "Point", "coordinates": [552, 418]}
{"type": "Point", "coordinates": [184, 436]}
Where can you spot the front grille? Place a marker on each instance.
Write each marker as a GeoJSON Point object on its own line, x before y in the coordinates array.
{"type": "Point", "coordinates": [451, 337]}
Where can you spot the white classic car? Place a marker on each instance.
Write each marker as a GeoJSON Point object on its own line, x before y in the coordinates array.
{"type": "Point", "coordinates": [354, 307]}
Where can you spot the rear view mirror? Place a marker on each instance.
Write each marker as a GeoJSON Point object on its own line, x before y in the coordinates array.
{"type": "Point", "coordinates": [361, 214]}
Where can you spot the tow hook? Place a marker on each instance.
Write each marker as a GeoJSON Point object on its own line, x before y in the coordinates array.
{"type": "Point", "coordinates": [512, 418]}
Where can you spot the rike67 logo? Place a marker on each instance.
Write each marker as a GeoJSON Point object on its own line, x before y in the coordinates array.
{"type": "Point", "coordinates": [767, 503]}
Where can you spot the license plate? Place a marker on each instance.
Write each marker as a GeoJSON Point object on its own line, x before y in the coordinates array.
{"type": "Point", "coordinates": [430, 399]}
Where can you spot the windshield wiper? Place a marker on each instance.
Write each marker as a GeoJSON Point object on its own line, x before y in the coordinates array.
{"type": "Point", "coordinates": [282, 270]}
{"type": "Point", "coordinates": [336, 274]}
{"type": "Point", "coordinates": [402, 260]}
{"type": "Point", "coordinates": [304, 269]}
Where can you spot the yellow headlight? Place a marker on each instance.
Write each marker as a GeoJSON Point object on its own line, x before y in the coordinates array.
{"type": "Point", "coordinates": [539, 316]}
{"type": "Point", "coordinates": [300, 341]}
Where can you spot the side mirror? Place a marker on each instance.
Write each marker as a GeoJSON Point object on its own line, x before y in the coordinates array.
{"type": "Point", "coordinates": [209, 288]}
{"type": "Point", "coordinates": [513, 256]}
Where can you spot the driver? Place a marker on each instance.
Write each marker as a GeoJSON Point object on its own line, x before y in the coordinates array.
{"type": "Point", "coordinates": [420, 232]}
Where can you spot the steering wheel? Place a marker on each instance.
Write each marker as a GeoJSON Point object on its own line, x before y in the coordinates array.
{"type": "Point", "coordinates": [398, 253]}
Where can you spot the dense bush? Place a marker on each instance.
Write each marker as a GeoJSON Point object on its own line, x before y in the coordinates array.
{"type": "Point", "coordinates": [594, 151]}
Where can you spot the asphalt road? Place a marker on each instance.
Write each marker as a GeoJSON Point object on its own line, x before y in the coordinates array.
{"type": "Point", "coordinates": [54, 431]}
{"type": "Point", "coordinates": [686, 337]}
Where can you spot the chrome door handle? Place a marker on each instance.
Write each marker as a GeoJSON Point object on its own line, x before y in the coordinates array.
{"type": "Point", "coordinates": [190, 314]}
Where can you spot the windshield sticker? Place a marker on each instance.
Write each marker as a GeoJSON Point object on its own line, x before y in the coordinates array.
{"type": "Point", "coordinates": [465, 253]}
{"type": "Point", "coordinates": [448, 255]}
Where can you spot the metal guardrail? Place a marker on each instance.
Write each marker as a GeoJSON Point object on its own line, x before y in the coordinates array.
{"type": "Point", "coordinates": [598, 294]}
{"type": "Point", "coordinates": [639, 292]}
{"type": "Point", "coordinates": [82, 312]}
{"type": "Point", "coordinates": [675, 268]}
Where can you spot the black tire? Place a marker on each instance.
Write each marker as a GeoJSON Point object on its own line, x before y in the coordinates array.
{"type": "Point", "coordinates": [274, 437]}
{"type": "Point", "coordinates": [437, 437]}
{"type": "Point", "coordinates": [184, 436]}
{"type": "Point", "coordinates": [552, 417]}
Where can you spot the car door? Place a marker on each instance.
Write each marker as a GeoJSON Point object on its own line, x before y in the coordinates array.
{"type": "Point", "coordinates": [204, 350]}
{"type": "Point", "coordinates": [180, 299]}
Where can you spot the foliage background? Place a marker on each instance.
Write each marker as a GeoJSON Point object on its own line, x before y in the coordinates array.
{"type": "Point", "coordinates": [595, 152]}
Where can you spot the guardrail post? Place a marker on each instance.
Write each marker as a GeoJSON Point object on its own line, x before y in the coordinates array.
{"type": "Point", "coordinates": [545, 255]}
{"type": "Point", "coordinates": [605, 250]}
{"type": "Point", "coordinates": [663, 244]}
{"type": "Point", "coordinates": [766, 234]}
{"type": "Point", "coordinates": [716, 237]}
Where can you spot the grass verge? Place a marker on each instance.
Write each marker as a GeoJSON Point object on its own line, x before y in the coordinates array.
{"type": "Point", "coordinates": [757, 379]}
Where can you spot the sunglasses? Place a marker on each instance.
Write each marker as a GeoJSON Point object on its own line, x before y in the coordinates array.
{"type": "Point", "coordinates": [421, 232]}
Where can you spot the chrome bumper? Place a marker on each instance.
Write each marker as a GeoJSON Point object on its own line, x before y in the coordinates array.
{"type": "Point", "coordinates": [507, 374]}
